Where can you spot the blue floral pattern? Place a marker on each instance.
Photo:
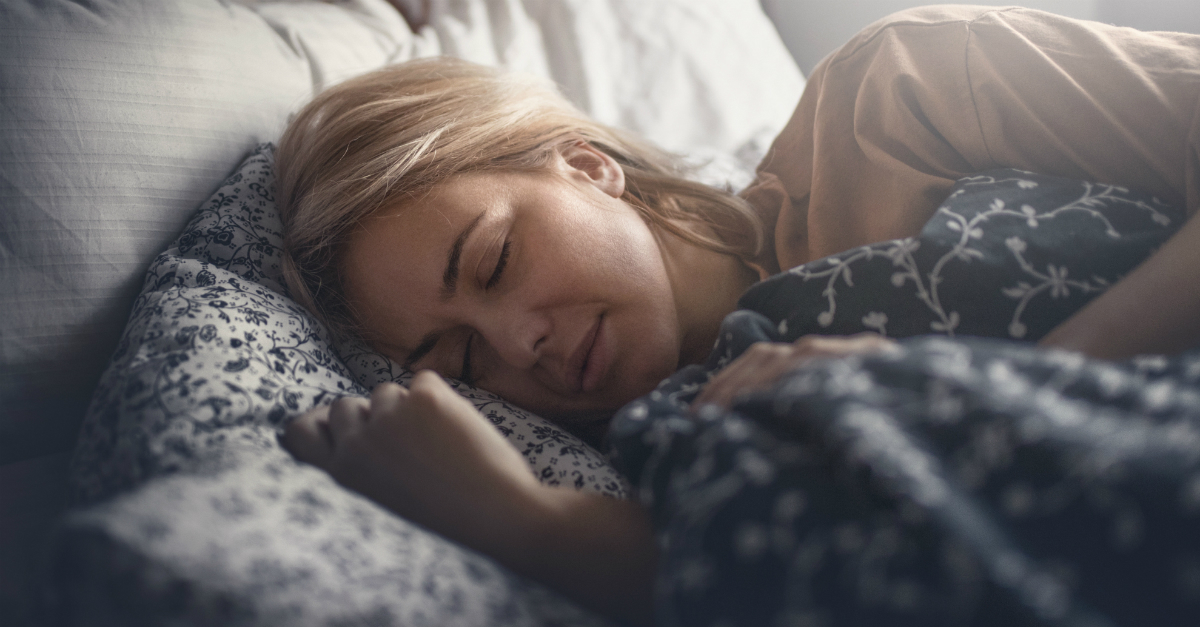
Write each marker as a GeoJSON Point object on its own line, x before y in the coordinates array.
{"type": "Point", "coordinates": [953, 481]}
{"type": "Point", "coordinates": [195, 512]}
{"type": "Point", "coordinates": [1008, 254]}
{"type": "Point", "coordinates": [950, 482]}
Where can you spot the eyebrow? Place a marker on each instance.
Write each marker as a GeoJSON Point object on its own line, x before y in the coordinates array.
{"type": "Point", "coordinates": [449, 287]}
{"type": "Point", "coordinates": [450, 276]}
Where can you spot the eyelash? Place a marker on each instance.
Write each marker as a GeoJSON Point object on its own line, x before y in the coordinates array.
{"type": "Point", "coordinates": [466, 367]}
{"type": "Point", "coordinates": [500, 265]}
{"type": "Point", "coordinates": [492, 281]}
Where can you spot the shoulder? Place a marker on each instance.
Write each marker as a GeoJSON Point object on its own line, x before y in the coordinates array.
{"type": "Point", "coordinates": [917, 25]}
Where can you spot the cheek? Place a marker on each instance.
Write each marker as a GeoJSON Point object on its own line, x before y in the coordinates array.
{"type": "Point", "coordinates": [594, 261]}
{"type": "Point", "coordinates": [649, 354]}
{"type": "Point", "coordinates": [623, 252]}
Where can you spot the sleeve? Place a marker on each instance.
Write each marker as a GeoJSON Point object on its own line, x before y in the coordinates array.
{"type": "Point", "coordinates": [914, 102]}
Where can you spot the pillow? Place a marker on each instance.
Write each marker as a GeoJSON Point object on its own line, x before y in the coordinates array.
{"type": "Point", "coordinates": [119, 118]}
{"type": "Point", "coordinates": [261, 540]}
{"type": "Point", "coordinates": [215, 357]}
{"type": "Point", "coordinates": [685, 74]}
{"type": "Point", "coordinates": [1010, 254]}
{"type": "Point", "coordinates": [122, 114]}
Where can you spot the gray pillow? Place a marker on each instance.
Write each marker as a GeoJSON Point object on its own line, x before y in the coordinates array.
{"type": "Point", "coordinates": [217, 523]}
{"type": "Point", "coordinates": [118, 119]}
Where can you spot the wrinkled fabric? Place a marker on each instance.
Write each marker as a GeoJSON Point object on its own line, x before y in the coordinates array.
{"type": "Point", "coordinates": [1008, 254]}
{"type": "Point", "coordinates": [192, 513]}
{"type": "Point", "coordinates": [954, 482]}
{"type": "Point", "coordinates": [926, 96]}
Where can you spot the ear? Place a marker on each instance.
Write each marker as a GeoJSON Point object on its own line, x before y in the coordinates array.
{"type": "Point", "coordinates": [585, 162]}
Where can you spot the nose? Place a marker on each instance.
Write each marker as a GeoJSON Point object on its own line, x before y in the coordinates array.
{"type": "Point", "coordinates": [515, 332]}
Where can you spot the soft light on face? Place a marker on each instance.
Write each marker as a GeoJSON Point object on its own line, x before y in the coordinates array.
{"type": "Point", "coordinates": [544, 288]}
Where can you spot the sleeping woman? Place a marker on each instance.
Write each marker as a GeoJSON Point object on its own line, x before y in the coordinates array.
{"type": "Point", "coordinates": [472, 224]}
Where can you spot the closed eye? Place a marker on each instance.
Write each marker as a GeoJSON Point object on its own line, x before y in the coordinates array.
{"type": "Point", "coordinates": [467, 377]}
{"type": "Point", "coordinates": [500, 265]}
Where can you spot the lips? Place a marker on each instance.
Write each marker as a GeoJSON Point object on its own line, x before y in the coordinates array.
{"type": "Point", "coordinates": [596, 365]}
{"type": "Point", "coordinates": [582, 369]}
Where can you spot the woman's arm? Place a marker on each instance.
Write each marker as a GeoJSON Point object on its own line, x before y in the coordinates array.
{"type": "Point", "coordinates": [428, 455]}
{"type": "Point", "coordinates": [1153, 310]}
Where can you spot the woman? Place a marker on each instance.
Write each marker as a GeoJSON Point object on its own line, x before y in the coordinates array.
{"type": "Point", "coordinates": [477, 226]}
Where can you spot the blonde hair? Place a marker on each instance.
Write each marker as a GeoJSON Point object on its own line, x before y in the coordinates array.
{"type": "Point", "coordinates": [393, 135]}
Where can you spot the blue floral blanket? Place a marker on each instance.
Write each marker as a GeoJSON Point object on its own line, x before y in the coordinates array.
{"type": "Point", "coordinates": [957, 481]}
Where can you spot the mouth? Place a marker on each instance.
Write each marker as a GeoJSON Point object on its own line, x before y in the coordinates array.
{"type": "Point", "coordinates": [589, 362]}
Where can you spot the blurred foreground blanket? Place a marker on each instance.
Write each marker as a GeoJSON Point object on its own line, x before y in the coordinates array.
{"type": "Point", "coordinates": [957, 481]}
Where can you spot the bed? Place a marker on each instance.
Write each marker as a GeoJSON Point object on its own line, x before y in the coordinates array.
{"type": "Point", "coordinates": [137, 136]}
{"type": "Point", "coordinates": [150, 352]}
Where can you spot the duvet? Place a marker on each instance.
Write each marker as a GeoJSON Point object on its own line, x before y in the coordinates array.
{"type": "Point", "coordinates": [961, 480]}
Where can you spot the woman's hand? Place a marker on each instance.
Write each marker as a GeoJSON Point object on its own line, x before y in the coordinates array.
{"type": "Point", "coordinates": [425, 453]}
{"type": "Point", "coordinates": [428, 455]}
{"type": "Point", "coordinates": [764, 363]}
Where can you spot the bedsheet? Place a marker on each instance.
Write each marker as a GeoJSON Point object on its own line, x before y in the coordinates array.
{"type": "Point", "coordinates": [955, 481]}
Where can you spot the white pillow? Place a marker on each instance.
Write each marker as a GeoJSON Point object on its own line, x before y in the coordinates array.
{"type": "Point", "coordinates": [686, 74]}
{"type": "Point", "coordinates": [119, 119]}
{"type": "Point", "coordinates": [339, 41]}
{"type": "Point", "coordinates": [122, 116]}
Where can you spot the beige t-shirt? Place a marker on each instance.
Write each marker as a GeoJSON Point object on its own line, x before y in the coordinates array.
{"type": "Point", "coordinates": [917, 100]}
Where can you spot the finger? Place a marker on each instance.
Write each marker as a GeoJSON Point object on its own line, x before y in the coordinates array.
{"type": "Point", "coordinates": [454, 428]}
{"type": "Point", "coordinates": [873, 342]}
{"type": "Point", "coordinates": [755, 369]}
{"type": "Point", "coordinates": [764, 363]}
{"type": "Point", "coordinates": [428, 381]}
{"type": "Point", "coordinates": [751, 378]}
{"type": "Point", "coordinates": [387, 400]}
{"type": "Point", "coordinates": [859, 344]}
{"type": "Point", "coordinates": [346, 417]}
{"type": "Point", "coordinates": [307, 437]}
{"type": "Point", "coordinates": [430, 390]}
{"type": "Point", "coordinates": [721, 389]}
{"type": "Point", "coordinates": [717, 390]}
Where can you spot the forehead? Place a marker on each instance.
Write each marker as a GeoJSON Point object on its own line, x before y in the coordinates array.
{"type": "Point", "coordinates": [404, 234]}
{"type": "Point", "coordinates": [394, 260]}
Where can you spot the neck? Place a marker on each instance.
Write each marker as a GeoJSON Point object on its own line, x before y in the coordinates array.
{"type": "Point", "coordinates": [707, 286]}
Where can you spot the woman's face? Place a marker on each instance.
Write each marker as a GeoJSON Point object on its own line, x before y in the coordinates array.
{"type": "Point", "coordinates": [544, 288]}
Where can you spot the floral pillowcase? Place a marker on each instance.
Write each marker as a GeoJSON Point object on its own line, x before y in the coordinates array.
{"type": "Point", "coordinates": [1010, 254]}
{"type": "Point", "coordinates": [196, 514]}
